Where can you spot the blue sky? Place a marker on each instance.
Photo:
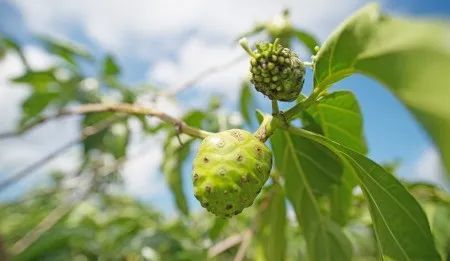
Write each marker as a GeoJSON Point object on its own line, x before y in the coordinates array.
{"type": "Point", "coordinates": [166, 42]}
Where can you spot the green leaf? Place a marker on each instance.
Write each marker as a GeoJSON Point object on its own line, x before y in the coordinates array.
{"type": "Point", "coordinates": [400, 225]}
{"type": "Point", "coordinates": [66, 50]}
{"type": "Point", "coordinates": [35, 104]}
{"type": "Point", "coordinates": [411, 58]}
{"type": "Point", "coordinates": [301, 162]}
{"type": "Point", "coordinates": [247, 103]}
{"type": "Point", "coordinates": [39, 80]}
{"type": "Point", "coordinates": [321, 167]}
{"type": "Point", "coordinates": [441, 229]}
{"type": "Point", "coordinates": [339, 118]}
{"type": "Point", "coordinates": [110, 66]}
{"type": "Point", "coordinates": [217, 227]}
{"type": "Point", "coordinates": [174, 156]}
{"type": "Point", "coordinates": [113, 140]}
{"type": "Point", "coordinates": [307, 39]}
{"type": "Point", "coordinates": [271, 234]}
{"type": "Point", "coordinates": [176, 151]}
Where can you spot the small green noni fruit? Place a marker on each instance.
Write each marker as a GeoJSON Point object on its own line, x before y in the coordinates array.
{"type": "Point", "coordinates": [277, 72]}
{"type": "Point", "coordinates": [229, 171]}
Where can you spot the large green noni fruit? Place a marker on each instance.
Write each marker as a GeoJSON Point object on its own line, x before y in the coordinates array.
{"type": "Point", "coordinates": [276, 71]}
{"type": "Point", "coordinates": [229, 171]}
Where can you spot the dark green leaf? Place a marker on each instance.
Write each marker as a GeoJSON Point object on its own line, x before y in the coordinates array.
{"type": "Point", "coordinates": [411, 58]}
{"type": "Point", "coordinates": [301, 162]}
{"type": "Point", "coordinates": [321, 167]}
{"type": "Point", "coordinates": [400, 225]}
{"type": "Point", "coordinates": [338, 117]}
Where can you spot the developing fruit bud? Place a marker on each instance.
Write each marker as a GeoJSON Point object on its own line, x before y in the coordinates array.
{"type": "Point", "coordinates": [281, 27]}
{"type": "Point", "coordinates": [276, 71]}
{"type": "Point", "coordinates": [229, 171]}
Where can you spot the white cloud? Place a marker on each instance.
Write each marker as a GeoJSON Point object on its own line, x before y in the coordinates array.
{"type": "Point", "coordinates": [429, 168]}
{"type": "Point", "coordinates": [195, 57]}
{"type": "Point", "coordinates": [134, 25]}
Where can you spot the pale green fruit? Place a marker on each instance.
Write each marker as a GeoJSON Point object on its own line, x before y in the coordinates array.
{"type": "Point", "coordinates": [229, 171]}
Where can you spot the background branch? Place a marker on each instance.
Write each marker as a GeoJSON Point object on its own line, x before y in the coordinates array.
{"type": "Point", "coordinates": [88, 131]}
{"type": "Point", "coordinates": [114, 107]}
{"type": "Point", "coordinates": [172, 91]}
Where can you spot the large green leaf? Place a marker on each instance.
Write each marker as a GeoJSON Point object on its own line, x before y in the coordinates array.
{"type": "Point", "coordinates": [400, 225]}
{"type": "Point", "coordinates": [411, 58]}
{"type": "Point", "coordinates": [271, 234]}
{"type": "Point", "coordinates": [339, 118]}
{"type": "Point", "coordinates": [302, 162]}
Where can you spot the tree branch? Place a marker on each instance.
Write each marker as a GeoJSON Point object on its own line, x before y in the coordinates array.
{"type": "Point", "coordinates": [88, 131]}
{"type": "Point", "coordinates": [214, 69]}
{"type": "Point", "coordinates": [113, 107]}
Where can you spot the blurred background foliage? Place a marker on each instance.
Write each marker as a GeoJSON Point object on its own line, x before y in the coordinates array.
{"type": "Point", "coordinates": [84, 216]}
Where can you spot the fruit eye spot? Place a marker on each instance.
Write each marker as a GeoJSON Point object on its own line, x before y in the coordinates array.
{"type": "Point", "coordinates": [229, 206]}
{"type": "Point", "coordinates": [205, 160]}
{"type": "Point", "coordinates": [239, 157]}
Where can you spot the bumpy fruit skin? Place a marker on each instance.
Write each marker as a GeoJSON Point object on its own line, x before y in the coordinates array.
{"type": "Point", "coordinates": [277, 72]}
{"type": "Point", "coordinates": [229, 171]}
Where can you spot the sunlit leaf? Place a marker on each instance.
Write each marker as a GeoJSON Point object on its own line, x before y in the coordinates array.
{"type": "Point", "coordinates": [411, 58]}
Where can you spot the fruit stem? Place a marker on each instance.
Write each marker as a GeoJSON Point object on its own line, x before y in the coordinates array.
{"type": "Point", "coordinates": [275, 109]}
{"type": "Point", "coordinates": [267, 127]}
{"type": "Point", "coordinates": [244, 43]}
{"type": "Point", "coordinates": [294, 111]}
{"type": "Point", "coordinates": [308, 64]}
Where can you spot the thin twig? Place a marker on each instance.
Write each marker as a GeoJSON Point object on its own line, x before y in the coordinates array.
{"type": "Point", "coordinates": [172, 91]}
{"type": "Point", "coordinates": [224, 245]}
{"type": "Point", "coordinates": [246, 239]}
{"type": "Point", "coordinates": [114, 107]}
{"type": "Point", "coordinates": [88, 131]}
